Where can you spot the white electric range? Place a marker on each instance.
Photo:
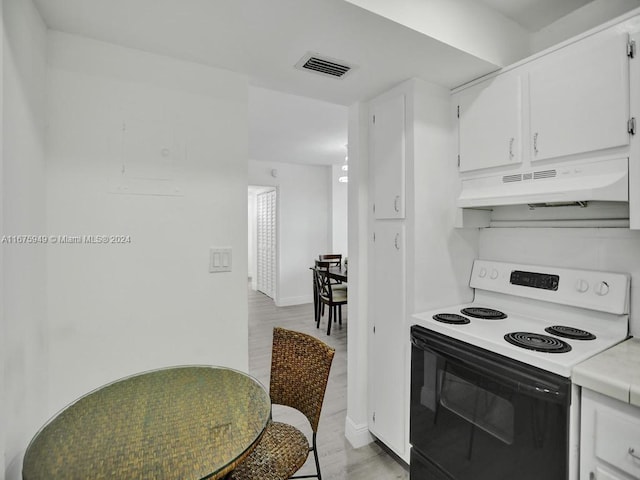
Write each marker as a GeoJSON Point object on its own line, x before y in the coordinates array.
{"type": "Point", "coordinates": [590, 306]}
{"type": "Point", "coordinates": [491, 379]}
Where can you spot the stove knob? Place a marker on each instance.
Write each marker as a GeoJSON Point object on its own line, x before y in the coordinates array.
{"type": "Point", "coordinates": [494, 274]}
{"type": "Point", "coordinates": [482, 273]}
{"type": "Point", "coordinates": [602, 289]}
{"type": "Point", "coordinates": [582, 286]}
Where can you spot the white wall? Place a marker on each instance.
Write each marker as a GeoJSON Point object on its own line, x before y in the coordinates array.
{"type": "Point", "coordinates": [23, 266]}
{"type": "Point", "coordinates": [339, 212]}
{"type": "Point", "coordinates": [117, 309]}
{"type": "Point", "coordinates": [3, 344]}
{"type": "Point", "coordinates": [440, 256]}
{"type": "Point", "coordinates": [609, 249]}
{"type": "Point", "coordinates": [304, 223]}
{"type": "Point", "coordinates": [356, 423]}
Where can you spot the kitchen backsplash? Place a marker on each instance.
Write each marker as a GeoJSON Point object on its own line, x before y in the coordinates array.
{"type": "Point", "coordinates": [612, 249]}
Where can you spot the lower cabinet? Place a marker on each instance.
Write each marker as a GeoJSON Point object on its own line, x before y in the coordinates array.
{"type": "Point", "coordinates": [388, 369]}
{"type": "Point", "coordinates": [609, 438]}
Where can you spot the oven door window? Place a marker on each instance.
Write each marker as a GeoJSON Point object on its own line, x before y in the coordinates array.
{"type": "Point", "coordinates": [473, 425]}
{"type": "Point", "coordinates": [479, 406]}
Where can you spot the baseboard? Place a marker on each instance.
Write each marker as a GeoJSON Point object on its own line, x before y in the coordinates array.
{"type": "Point", "coordinates": [357, 434]}
{"type": "Point", "coordinates": [288, 301]}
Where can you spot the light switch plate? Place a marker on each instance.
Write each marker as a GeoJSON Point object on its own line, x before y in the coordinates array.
{"type": "Point", "coordinates": [219, 259]}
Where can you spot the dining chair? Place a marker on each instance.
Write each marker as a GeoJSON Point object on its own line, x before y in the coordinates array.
{"type": "Point", "coordinates": [331, 263]}
{"type": "Point", "coordinates": [329, 294]}
{"type": "Point", "coordinates": [318, 307]}
{"type": "Point", "coordinates": [300, 366]}
{"type": "Point", "coordinates": [334, 258]}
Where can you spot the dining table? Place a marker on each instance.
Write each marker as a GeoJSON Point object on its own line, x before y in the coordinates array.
{"type": "Point", "coordinates": [186, 422]}
{"type": "Point", "coordinates": [338, 273]}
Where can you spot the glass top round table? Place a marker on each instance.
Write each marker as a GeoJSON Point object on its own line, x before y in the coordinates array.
{"type": "Point", "coordinates": [190, 422]}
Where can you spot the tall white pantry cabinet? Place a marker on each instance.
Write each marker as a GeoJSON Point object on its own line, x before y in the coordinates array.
{"type": "Point", "coordinates": [416, 258]}
{"type": "Point", "coordinates": [387, 408]}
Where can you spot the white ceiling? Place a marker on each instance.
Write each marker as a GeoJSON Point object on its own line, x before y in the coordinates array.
{"type": "Point", "coordinates": [265, 39]}
{"type": "Point", "coordinates": [294, 129]}
{"type": "Point", "coordinates": [295, 116]}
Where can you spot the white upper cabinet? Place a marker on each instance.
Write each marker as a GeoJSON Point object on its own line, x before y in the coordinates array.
{"type": "Point", "coordinates": [388, 154]}
{"type": "Point", "coordinates": [579, 98]}
{"type": "Point", "coordinates": [489, 123]}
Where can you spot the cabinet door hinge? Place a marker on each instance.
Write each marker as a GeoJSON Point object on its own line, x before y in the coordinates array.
{"type": "Point", "coordinates": [374, 119]}
{"type": "Point", "coordinates": [374, 236]}
{"type": "Point", "coordinates": [374, 417]}
{"type": "Point", "coordinates": [458, 111]}
{"type": "Point", "coordinates": [631, 49]}
{"type": "Point", "coordinates": [631, 126]}
{"type": "Point", "coordinates": [458, 160]}
{"type": "Point", "coordinates": [374, 208]}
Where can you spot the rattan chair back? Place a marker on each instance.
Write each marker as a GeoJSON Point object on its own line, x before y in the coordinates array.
{"type": "Point", "coordinates": [300, 366]}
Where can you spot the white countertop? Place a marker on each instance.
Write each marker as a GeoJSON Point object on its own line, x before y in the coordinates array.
{"type": "Point", "coordinates": [614, 372]}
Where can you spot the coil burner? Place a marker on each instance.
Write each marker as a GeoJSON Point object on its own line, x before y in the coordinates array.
{"type": "Point", "coordinates": [484, 313]}
{"type": "Point", "coordinates": [452, 318]}
{"type": "Point", "coordinates": [570, 332]}
{"type": "Point", "coordinates": [537, 342]}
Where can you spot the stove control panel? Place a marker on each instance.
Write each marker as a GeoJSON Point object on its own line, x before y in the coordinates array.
{"type": "Point", "coordinates": [544, 281]}
{"type": "Point", "coordinates": [595, 290]}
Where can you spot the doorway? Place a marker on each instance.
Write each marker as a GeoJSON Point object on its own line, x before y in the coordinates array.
{"type": "Point", "coordinates": [263, 239]}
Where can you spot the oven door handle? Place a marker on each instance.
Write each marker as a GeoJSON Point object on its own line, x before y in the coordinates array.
{"type": "Point", "coordinates": [540, 390]}
{"type": "Point", "coordinates": [503, 371]}
{"type": "Point", "coordinates": [532, 387]}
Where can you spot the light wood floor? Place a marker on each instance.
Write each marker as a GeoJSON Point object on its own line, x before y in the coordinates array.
{"type": "Point", "coordinates": [338, 460]}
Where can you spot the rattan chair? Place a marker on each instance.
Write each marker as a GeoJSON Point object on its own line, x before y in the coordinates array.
{"type": "Point", "coordinates": [300, 367]}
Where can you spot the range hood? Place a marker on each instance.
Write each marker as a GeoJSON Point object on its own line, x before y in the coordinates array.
{"type": "Point", "coordinates": [550, 185]}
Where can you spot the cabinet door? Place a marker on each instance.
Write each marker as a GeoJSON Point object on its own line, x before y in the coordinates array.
{"type": "Point", "coordinates": [388, 144]}
{"type": "Point", "coordinates": [609, 438]}
{"type": "Point", "coordinates": [580, 98]}
{"type": "Point", "coordinates": [601, 474]}
{"type": "Point", "coordinates": [388, 368]}
{"type": "Point", "coordinates": [489, 125]}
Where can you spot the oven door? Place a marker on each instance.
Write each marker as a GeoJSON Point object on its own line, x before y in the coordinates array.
{"type": "Point", "coordinates": [478, 415]}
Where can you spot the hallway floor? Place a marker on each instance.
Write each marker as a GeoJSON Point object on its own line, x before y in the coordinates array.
{"type": "Point", "coordinates": [338, 460]}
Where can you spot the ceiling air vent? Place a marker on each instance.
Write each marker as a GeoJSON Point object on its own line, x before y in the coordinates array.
{"type": "Point", "coordinates": [544, 174]}
{"type": "Point", "coordinates": [327, 66]}
{"type": "Point", "coordinates": [511, 178]}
